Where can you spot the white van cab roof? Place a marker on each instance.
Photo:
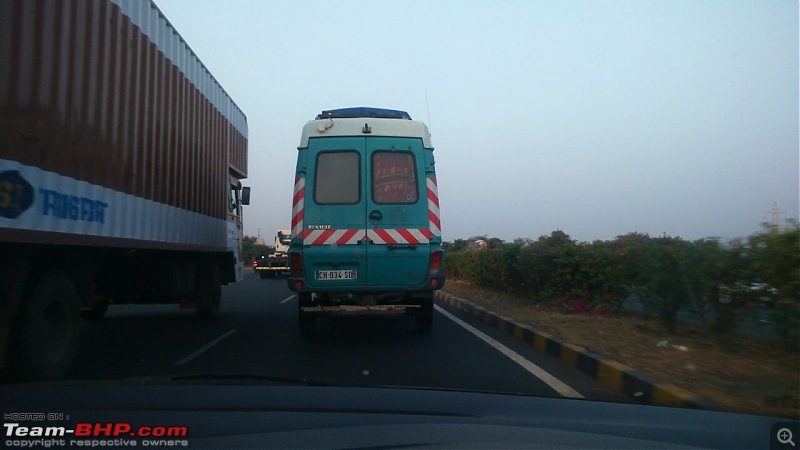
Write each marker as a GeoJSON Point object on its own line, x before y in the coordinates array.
{"type": "Point", "coordinates": [368, 125]}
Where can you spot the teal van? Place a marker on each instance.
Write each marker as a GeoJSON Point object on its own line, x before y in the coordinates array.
{"type": "Point", "coordinates": [366, 234]}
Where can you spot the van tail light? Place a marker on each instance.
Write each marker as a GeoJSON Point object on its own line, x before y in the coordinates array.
{"type": "Point", "coordinates": [436, 261]}
{"type": "Point", "coordinates": [296, 261]}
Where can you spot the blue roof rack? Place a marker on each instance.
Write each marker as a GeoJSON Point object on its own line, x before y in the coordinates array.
{"type": "Point", "coordinates": [362, 111]}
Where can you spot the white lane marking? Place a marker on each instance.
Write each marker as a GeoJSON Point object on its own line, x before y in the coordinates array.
{"type": "Point", "coordinates": [197, 352]}
{"type": "Point", "coordinates": [287, 299]}
{"type": "Point", "coordinates": [558, 385]}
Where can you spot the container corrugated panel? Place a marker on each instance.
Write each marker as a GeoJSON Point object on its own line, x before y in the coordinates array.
{"type": "Point", "coordinates": [106, 92]}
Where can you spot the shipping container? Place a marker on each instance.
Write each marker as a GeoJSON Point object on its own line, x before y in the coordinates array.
{"type": "Point", "coordinates": [121, 160]}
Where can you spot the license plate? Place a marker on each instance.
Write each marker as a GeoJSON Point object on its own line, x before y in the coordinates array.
{"type": "Point", "coordinates": [335, 274]}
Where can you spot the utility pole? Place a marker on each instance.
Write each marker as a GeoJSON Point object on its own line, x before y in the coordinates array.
{"type": "Point", "coordinates": [775, 214]}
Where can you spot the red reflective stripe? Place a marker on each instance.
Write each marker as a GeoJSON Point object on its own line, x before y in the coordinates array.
{"type": "Point", "coordinates": [432, 194]}
{"type": "Point", "coordinates": [427, 232]}
{"type": "Point", "coordinates": [346, 236]}
{"type": "Point", "coordinates": [410, 238]}
{"type": "Point", "coordinates": [323, 238]}
{"type": "Point", "coordinates": [433, 197]}
{"type": "Point", "coordinates": [297, 206]}
{"type": "Point", "coordinates": [298, 218]}
{"type": "Point", "coordinates": [298, 196]}
{"type": "Point", "coordinates": [433, 215]}
{"type": "Point", "coordinates": [434, 220]}
{"type": "Point", "coordinates": [312, 240]}
{"type": "Point", "coordinates": [386, 237]}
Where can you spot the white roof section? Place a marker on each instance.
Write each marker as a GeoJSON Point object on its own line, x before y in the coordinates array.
{"type": "Point", "coordinates": [155, 25]}
{"type": "Point", "coordinates": [355, 127]}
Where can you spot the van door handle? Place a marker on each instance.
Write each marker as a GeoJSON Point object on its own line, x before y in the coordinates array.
{"type": "Point", "coordinates": [402, 247]}
{"type": "Point", "coordinates": [375, 215]}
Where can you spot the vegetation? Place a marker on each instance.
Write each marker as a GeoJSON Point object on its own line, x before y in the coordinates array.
{"type": "Point", "coordinates": [251, 249]}
{"type": "Point", "coordinates": [719, 282]}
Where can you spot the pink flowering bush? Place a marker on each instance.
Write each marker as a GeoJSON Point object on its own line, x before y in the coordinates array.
{"type": "Point", "coordinates": [667, 274]}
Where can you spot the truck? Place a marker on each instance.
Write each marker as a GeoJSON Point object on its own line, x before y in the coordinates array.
{"type": "Point", "coordinates": [121, 160]}
{"type": "Point", "coordinates": [278, 261]}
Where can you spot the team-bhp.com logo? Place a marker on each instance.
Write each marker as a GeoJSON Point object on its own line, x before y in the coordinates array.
{"type": "Point", "coordinates": [96, 434]}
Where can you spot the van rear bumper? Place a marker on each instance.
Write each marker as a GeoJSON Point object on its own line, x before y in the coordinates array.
{"type": "Point", "coordinates": [361, 309]}
{"type": "Point", "coordinates": [298, 284]}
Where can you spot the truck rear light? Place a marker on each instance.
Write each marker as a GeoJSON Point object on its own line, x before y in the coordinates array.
{"type": "Point", "coordinates": [296, 262]}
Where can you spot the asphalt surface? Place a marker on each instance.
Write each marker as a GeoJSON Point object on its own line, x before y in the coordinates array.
{"type": "Point", "coordinates": [256, 333]}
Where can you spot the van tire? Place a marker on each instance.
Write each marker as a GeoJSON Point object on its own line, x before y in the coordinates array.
{"type": "Point", "coordinates": [52, 306]}
{"type": "Point", "coordinates": [424, 317]}
{"type": "Point", "coordinates": [307, 321]}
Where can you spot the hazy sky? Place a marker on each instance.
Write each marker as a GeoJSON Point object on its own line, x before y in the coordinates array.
{"type": "Point", "coordinates": [597, 118]}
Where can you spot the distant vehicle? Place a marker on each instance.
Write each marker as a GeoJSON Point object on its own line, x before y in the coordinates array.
{"type": "Point", "coordinates": [278, 261]}
{"type": "Point", "coordinates": [125, 190]}
{"type": "Point", "coordinates": [365, 228]}
{"type": "Point", "coordinates": [478, 244]}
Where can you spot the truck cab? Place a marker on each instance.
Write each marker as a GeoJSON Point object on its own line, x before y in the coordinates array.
{"type": "Point", "coordinates": [278, 261]}
{"type": "Point", "coordinates": [365, 228]}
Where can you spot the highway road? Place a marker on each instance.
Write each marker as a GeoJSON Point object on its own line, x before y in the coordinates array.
{"type": "Point", "coordinates": [256, 333]}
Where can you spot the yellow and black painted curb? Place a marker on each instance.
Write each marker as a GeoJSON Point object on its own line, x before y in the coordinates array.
{"type": "Point", "coordinates": [613, 374]}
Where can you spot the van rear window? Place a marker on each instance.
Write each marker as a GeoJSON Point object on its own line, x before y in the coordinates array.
{"type": "Point", "coordinates": [394, 178]}
{"type": "Point", "coordinates": [337, 180]}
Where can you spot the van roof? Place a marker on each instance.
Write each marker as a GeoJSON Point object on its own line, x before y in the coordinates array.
{"type": "Point", "coordinates": [352, 121]}
{"type": "Point", "coordinates": [363, 111]}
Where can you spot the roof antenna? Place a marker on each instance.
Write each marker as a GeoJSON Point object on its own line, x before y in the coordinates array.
{"type": "Point", "coordinates": [428, 110]}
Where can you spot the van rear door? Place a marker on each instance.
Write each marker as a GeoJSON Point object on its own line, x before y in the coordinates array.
{"type": "Point", "coordinates": [398, 232]}
{"type": "Point", "coordinates": [334, 248]}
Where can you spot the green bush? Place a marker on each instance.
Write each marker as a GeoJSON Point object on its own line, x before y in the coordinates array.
{"type": "Point", "coordinates": [775, 256]}
{"type": "Point", "coordinates": [669, 273]}
{"type": "Point", "coordinates": [497, 268]}
{"type": "Point", "coordinates": [716, 281]}
{"type": "Point", "coordinates": [250, 249]}
{"type": "Point", "coordinates": [459, 265]}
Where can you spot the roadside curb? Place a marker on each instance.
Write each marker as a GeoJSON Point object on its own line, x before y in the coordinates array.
{"type": "Point", "coordinates": [613, 374]}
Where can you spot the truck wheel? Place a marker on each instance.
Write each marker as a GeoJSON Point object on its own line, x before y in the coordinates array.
{"type": "Point", "coordinates": [262, 274]}
{"type": "Point", "coordinates": [97, 311]}
{"type": "Point", "coordinates": [208, 292]}
{"type": "Point", "coordinates": [49, 328]}
{"type": "Point", "coordinates": [306, 320]}
{"type": "Point", "coordinates": [424, 317]}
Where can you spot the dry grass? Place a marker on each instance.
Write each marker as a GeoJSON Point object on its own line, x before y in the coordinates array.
{"type": "Point", "coordinates": [745, 374]}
